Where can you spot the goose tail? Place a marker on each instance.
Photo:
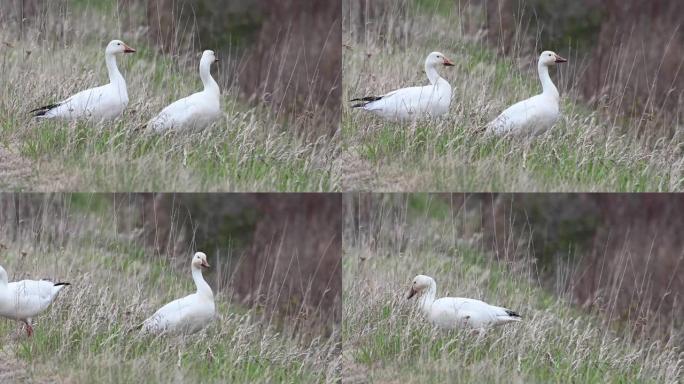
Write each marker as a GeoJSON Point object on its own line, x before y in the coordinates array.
{"type": "Point", "coordinates": [363, 101]}
{"type": "Point", "coordinates": [40, 112]}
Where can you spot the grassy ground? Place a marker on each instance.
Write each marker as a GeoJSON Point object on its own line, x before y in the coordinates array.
{"type": "Point", "coordinates": [584, 152]}
{"type": "Point", "coordinates": [248, 149]}
{"type": "Point", "coordinates": [89, 334]}
{"type": "Point", "coordinates": [386, 339]}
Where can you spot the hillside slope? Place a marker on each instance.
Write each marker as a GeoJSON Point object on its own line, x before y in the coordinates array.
{"type": "Point", "coordinates": [387, 340]}
{"type": "Point", "coordinates": [585, 151]}
{"type": "Point", "coordinates": [247, 149]}
{"type": "Point", "coordinates": [90, 333]}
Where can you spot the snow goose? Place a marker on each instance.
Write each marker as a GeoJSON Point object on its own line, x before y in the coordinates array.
{"type": "Point", "coordinates": [197, 110]}
{"type": "Point", "coordinates": [454, 312]}
{"type": "Point", "coordinates": [190, 313]}
{"type": "Point", "coordinates": [23, 300]}
{"type": "Point", "coordinates": [106, 102]}
{"type": "Point", "coordinates": [414, 102]}
{"type": "Point", "coordinates": [537, 114]}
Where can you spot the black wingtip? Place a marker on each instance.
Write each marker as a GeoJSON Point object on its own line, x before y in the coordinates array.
{"type": "Point", "coordinates": [512, 314]}
{"type": "Point", "coordinates": [41, 111]}
{"type": "Point", "coordinates": [58, 284]}
{"type": "Point", "coordinates": [367, 99]}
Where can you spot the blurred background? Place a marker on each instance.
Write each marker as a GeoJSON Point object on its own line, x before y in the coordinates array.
{"type": "Point", "coordinates": [278, 253]}
{"type": "Point", "coordinates": [627, 56]}
{"type": "Point", "coordinates": [620, 255]}
{"type": "Point", "coordinates": [282, 53]}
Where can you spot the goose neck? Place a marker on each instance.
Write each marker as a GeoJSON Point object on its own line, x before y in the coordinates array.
{"type": "Point", "coordinates": [432, 73]}
{"type": "Point", "coordinates": [3, 277]}
{"type": "Point", "coordinates": [115, 76]}
{"type": "Point", "coordinates": [207, 80]}
{"type": "Point", "coordinates": [548, 88]}
{"type": "Point", "coordinates": [428, 298]}
{"type": "Point", "coordinates": [202, 287]}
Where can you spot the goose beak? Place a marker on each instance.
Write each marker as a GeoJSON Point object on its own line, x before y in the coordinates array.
{"type": "Point", "coordinates": [560, 59]}
{"type": "Point", "coordinates": [128, 49]}
{"type": "Point", "coordinates": [411, 293]}
{"type": "Point", "coordinates": [448, 63]}
{"type": "Point", "coordinates": [205, 264]}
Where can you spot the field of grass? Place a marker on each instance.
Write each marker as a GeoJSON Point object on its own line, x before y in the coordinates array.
{"type": "Point", "coordinates": [584, 152]}
{"type": "Point", "coordinates": [88, 335]}
{"type": "Point", "coordinates": [386, 339]}
{"type": "Point", "coordinates": [249, 148]}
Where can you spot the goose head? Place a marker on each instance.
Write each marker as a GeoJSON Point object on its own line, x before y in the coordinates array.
{"type": "Point", "coordinates": [208, 58]}
{"type": "Point", "coordinates": [550, 58]}
{"type": "Point", "coordinates": [200, 260]}
{"type": "Point", "coordinates": [116, 47]}
{"type": "Point", "coordinates": [436, 59]}
{"type": "Point", "coordinates": [419, 285]}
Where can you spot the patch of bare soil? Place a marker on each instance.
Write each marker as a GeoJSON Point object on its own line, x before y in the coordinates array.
{"type": "Point", "coordinates": [16, 172]}
{"type": "Point", "coordinates": [12, 370]}
{"type": "Point", "coordinates": [354, 172]}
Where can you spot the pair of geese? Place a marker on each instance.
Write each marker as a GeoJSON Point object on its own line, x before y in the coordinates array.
{"type": "Point", "coordinates": [26, 299]}
{"type": "Point", "coordinates": [529, 117]}
{"type": "Point", "coordinates": [108, 102]}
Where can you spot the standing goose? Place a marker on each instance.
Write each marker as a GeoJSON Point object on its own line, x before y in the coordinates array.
{"type": "Point", "coordinates": [106, 102]}
{"type": "Point", "coordinates": [414, 103]}
{"type": "Point", "coordinates": [23, 300]}
{"type": "Point", "coordinates": [197, 110]}
{"type": "Point", "coordinates": [537, 114]}
{"type": "Point", "coordinates": [456, 312]}
{"type": "Point", "coordinates": [190, 313]}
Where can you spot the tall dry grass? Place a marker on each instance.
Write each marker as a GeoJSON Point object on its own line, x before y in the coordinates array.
{"type": "Point", "coordinates": [389, 238]}
{"type": "Point", "coordinates": [385, 47]}
{"type": "Point", "coordinates": [57, 51]}
{"type": "Point", "coordinates": [89, 334]}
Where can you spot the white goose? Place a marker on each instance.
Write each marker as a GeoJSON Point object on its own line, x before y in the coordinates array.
{"type": "Point", "coordinates": [414, 103]}
{"type": "Point", "coordinates": [197, 110]}
{"type": "Point", "coordinates": [106, 102]}
{"type": "Point", "coordinates": [23, 300]}
{"type": "Point", "coordinates": [537, 114]}
{"type": "Point", "coordinates": [190, 313]}
{"type": "Point", "coordinates": [455, 312]}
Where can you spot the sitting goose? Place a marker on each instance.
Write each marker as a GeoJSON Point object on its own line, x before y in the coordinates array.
{"type": "Point", "coordinates": [190, 313]}
{"type": "Point", "coordinates": [455, 312]}
{"type": "Point", "coordinates": [106, 102]}
{"type": "Point", "coordinates": [414, 103]}
{"type": "Point", "coordinates": [537, 114]}
{"type": "Point", "coordinates": [26, 299]}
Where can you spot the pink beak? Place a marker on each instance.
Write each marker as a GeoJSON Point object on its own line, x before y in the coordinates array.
{"type": "Point", "coordinates": [560, 59]}
{"type": "Point", "coordinates": [128, 49]}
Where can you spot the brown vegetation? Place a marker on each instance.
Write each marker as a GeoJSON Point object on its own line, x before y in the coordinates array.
{"type": "Point", "coordinates": [281, 252]}
{"type": "Point", "coordinates": [631, 52]}
{"type": "Point", "coordinates": [620, 254]}
{"type": "Point", "coordinates": [286, 53]}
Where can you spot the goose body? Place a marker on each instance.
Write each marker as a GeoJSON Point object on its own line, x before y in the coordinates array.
{"type": "Point", "coordinates": [190, 313]}
{"type": "Point", "coordinates": [196, 111]}
{"type": "Point", "coordinates": [26, 299]}
{"type": "Point", "coordinates": [457, 312]}
{"type": "Point", "coordinates": [414, 103]}
{"type": "Point", "coordinates": [102, 103]}
{"type": "Point", "coordinates": [537, 114]}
